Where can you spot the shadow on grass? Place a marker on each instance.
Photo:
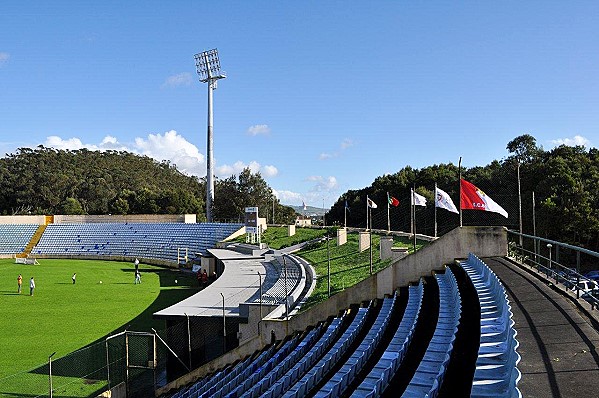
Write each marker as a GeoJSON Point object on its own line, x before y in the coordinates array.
{"type": "Point", "coordinates": [89, 362]}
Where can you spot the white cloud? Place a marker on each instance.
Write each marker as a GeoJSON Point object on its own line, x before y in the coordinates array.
{"type": "Point", "coordinates": [346, 143]}
{"type": "Point", "coordinates": [72, 143]}
{"type": "Point", "coordinates": [289, 197]}
{"type": "Point", "coordinates": [255, 167]}
{"type": "Point", "coordinates": [169, 146]}
{"type": "Point", "coordinates": [578, 140]}
{"type": "Point", "coordinates": [325, 156]}
{"type": "Point", "coordinates": [174, 147]}
{"type": "Point", "coordinates": [323, 184]}
{"type": "Point", "coordinates": [259, 129]}
{"type": "Point", "coordinates": [4, 58]}
{"type": "Point", "coordinates": [181, 79]}
{"type": "Point", "coordinates": [270, 171]}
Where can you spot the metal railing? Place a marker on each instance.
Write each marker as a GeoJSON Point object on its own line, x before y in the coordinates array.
{"type": "Point", "coordinates": [566, 264]}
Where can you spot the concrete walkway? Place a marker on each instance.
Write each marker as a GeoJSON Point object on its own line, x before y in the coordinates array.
{"type": "Point", "coordinates": [558, 343]}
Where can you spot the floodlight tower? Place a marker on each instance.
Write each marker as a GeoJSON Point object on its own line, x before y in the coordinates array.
{"type": "Point", "coordinates": [208, 68]}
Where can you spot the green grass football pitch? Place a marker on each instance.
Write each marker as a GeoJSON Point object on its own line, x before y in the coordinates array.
{"type": "Point", "coordinates": [61, 317]}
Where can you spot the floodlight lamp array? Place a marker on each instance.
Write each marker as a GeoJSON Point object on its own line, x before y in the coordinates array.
{"type": "Point", "coordinates": [208, 65]}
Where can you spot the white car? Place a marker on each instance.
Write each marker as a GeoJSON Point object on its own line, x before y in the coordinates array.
{"type": "Point", "coordinates": [586, 286]}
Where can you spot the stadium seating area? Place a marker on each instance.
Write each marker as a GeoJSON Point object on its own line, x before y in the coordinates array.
{"type": "Point", "coordinates": [143, 240]}
{"type": "Point", "coordinates": [496, 373]}
{"type": "Point", "coordinates": [15, 237]}
{"type": "Point", "coordinates": [363, 352]}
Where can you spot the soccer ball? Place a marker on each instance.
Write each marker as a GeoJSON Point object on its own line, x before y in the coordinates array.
{"type": "Point", "coordinates": [100, 282]}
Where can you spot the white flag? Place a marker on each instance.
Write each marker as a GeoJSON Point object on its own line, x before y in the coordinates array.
{"type": "Point", "coordinates": [418, 200]}
{"type": "Point", "coordinates": [443, 201]}
{"type": "Point", "coordinates": [371, 203]}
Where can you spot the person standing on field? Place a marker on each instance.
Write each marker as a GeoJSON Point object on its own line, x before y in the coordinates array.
{"type": "Point", "coordinates": [73, 278]}
{"type": "Point", "coordinates": [31, 286]}
{"type": "Point", "coordinates": [136, 262]}
{"type": "Point", "coordinates": [19, 283]}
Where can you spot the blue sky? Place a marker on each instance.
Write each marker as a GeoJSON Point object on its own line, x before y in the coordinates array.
{"type": "Point", "coordinates": [321, 96]}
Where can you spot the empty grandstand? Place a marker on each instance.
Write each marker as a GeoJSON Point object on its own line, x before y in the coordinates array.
{"type": "Point", "coordinates": [144, 240]}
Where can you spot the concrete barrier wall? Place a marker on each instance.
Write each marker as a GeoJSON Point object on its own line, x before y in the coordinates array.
{"type": "Point", "coordinates": [36, 220]}
{"type": "Point", "coordinates": [484, 241]}
{"type": "Point", "coordinates": [132, 218]}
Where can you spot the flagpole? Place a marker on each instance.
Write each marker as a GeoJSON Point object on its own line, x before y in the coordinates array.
{"type": "Point", "coordinates": [460, 190]}
{"type": "Point", "coordinates": [367, 208]}
{"type": "Point", "coordinates": [388, 218]}
{"type": "Point", "coordinates": [414, 210]}
{"type": "Point", "coordinates": [345, 215]}
{"type": "Point", "coordinates": [519, 205]}
{"type": "Point", "coordinates": [435, 209]}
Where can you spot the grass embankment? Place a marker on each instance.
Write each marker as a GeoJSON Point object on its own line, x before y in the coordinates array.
{"type": "Point", "coordinates": [348, 265]}
{"type": "Point", "coordinates": [63, 317]}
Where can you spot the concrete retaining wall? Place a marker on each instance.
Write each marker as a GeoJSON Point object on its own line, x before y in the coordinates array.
{"type": "Point", "coordinates": [36, 220]}
{"type": "Point", "coordinates": [133, 218]}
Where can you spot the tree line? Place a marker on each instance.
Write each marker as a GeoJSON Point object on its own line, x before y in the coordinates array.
{"type": "Point", "coordinates": [564, 181]}
{"type": "Point", "coordinates": [51, 181]}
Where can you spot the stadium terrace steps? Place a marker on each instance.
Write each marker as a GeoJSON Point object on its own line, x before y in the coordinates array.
{"type": "Point", "coordinates": [34, 240]}
{"type": "Point", "coordinates": [273, 286]}
{"type": "Point", "coordinates": [390, 349]}
{"type": "Point", "coordinates": [327, 362]}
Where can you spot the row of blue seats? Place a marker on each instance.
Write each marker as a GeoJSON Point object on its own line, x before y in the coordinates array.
{"type": "Point", "coordinates": [246, 375]}
{"type": "Point", "coordinates": [299, 384]}
{"type": "Point", "coordinates": [496, 373]}
{"type": "Point", "coordinates": [430, 373]}
{"type": "Point", "coordinates": [201, 386]}
{"type": "Point", "coordinates": [340, 381]}
{"type": "Point", "coordinates": [15, 237]}
{"type": "Point", "coordinates": [263, 379]}
{"type": "Point", "coordinates": [253, 373]}
{"type": "Point", "coordinates": [274, 382]}
{"type": "Point", "coordinates": [385, 369]}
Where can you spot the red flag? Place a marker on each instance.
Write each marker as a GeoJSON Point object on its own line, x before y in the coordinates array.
{"type": "Point", "coordinates": [392, 201]}
{"type": "Point", "coordinates": [475, 199]}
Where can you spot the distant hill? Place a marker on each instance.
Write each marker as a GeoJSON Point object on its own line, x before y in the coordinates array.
{"type": "Point", "coordinates": [310, 210]}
